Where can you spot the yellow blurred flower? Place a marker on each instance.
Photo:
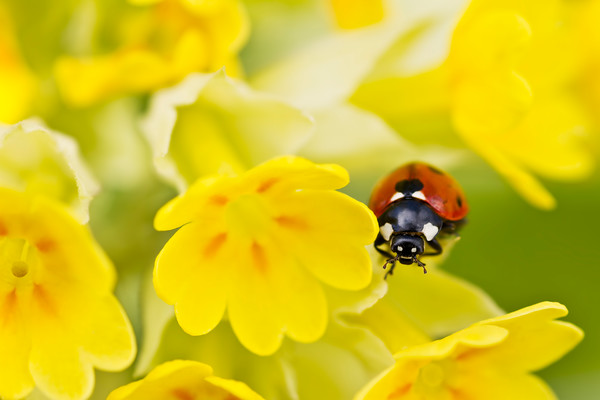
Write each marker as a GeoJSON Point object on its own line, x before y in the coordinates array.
{"type": "Point", "coordinates": [18, 85]}
{"type": "Point", "coordinates": [352, 14]}
{"type": "Point", "coordinates": [40, 161]}
{"type": "Point", "coordinates": [58, 317]}
{"type": "Point", "coordinates": [210, 123]}
{"type": "Point", "coordinates": [184, 380]}
{"type": "Point", "coordinates": [586, 41]}
{"type": "Point", "coordinates": [491, 360]}
{"type": "Point", "coordinates": [504, 86]}
{"type": "Point", "coordinates": [159, 42]}
{"type": "Point", "coordinates": [259, 243]}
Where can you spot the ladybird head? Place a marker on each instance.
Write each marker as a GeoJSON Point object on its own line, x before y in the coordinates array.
{"type": "Point", "coordinates": [407, 248]}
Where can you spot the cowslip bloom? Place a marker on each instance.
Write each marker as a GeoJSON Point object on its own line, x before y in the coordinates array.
{"type": "Point", "coordinates": [157, 43]}
{"type": "Point", "coordinates": [40, 161]}
{"type": "Point", "coordinates": [184, 380]}
{"type": "Point", "coordinates": [491, 359]}
{"type": "Point", "coordinates": [58, 316]}
{"type": "Point", "coordinates": [260, 244]}
{"type": "Point", "coordinates": [357, 13]}
{"type": "Point", "coordinates": [18, 85]}
{"type": "Point", "coordinates": [503, 88]}
{"type": "Point", "coordinates": [209, 121]}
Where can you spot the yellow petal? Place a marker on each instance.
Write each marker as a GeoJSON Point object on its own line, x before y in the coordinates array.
{"type": "Point", "coordinates": [301, 300]}
{"type": "Point", "coordinates": [15, 378]}
{"type": "Point", "coordinates": [210, 122]}
{"type": "Point", "coordinates": [329, 213]}
{"type": "Point", "coordinates": [196, 201]}
{"type": "Point", "coordinates": [491, 40]}
{"type": "Point", "coordinates": [391, 383]}
{"type": "Point", "coordinates": [392, 326]}
{"type": "Point", "coordinates": [253, 310]}
{"type": "Point", "coordinates": [536, 340]}
{"type": "Point", "coordinates": [314, 223]}
{"type": "Point", "coordinates": [476, 336]}
{"type": "Point", "coordinates": [165, 381]}
{"type": "Point", "coordinates": [522, 181]}
{"type": "Point", "coordinates": [236, 388]}
{"type": "Point", "coordinates": [483, 382]}
{"type": "Point", "coordinates": [357, 13]}
{"type": "Point", "coordinates": [290, 173]}
{"type": "Point", "coordinates": [58, 368]}
{"type": "Point", "coordinates": [38, 160]}
{"type": "Point", "coordinates": [554, 128]}
{"type": "Point", "coordinates": [490, 104]}
{"type": "Point", "coordinates": [201, 305]}
{"type": "Point", "coordinates": [176, 264]}
{"type": "Point", "coordinates": [438, 302]}
{"type": "Point", "coordinates": [109, 342]}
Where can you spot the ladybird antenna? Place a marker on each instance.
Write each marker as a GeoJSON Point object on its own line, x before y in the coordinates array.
{"type": "Point", "coordinates": [420, 264]}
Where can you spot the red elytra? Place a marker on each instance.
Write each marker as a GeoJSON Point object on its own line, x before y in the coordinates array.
{"type": "Point", "coordinates": [441, 191]}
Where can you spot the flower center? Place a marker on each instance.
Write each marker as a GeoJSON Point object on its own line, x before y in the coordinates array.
{"type": "Point", "coordinates": [18, 258]}
{"type": "Point", "coordinates": [432, 375]}
{"type": "Point", "coordinates": [249, 216]}
{"type": "Point", "coordinates": [20, 268]}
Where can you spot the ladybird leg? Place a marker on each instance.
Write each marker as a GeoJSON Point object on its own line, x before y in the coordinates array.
{"type": "Point", "coordinates": [378, 242]}
{"type": "Point", "coordinates": [452, 227]}
{"type": "Point", "coordinates": [391, 270]}
{"type": "Point", "coordinates": [436, 246]}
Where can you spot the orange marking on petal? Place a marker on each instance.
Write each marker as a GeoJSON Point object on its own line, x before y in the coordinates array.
{"type": "Point", "coordinates": [291, 222]}
{"type": "Point", "coordinates": [181, 394]}
{"type": "Point", "coordinates": [3, 229]}
{"type": "Point", "coordinates": [219, 199]}
{"type": "Point", "coordinates": [400, 392]}
{"type": "Point", "coordinates": [7, 310]}
{"type": "Point", "coordinates": [266, 185]}
{"type": "Point", "coordinates": [45, 245]}
{"type": "Point", "coordinates": [214, 245]}
{"type": "Point", "coordinates": [44, 300]}
{"type": "Point", "coordinates": [467, 354]}
{"type": "Point", "coordinates": [259, 257]}
{"type": "Point", "coordinates": [457, 394]}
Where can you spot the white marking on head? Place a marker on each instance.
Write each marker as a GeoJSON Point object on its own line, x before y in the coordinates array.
{"type": "Point", "coordinates": [397, 195]}
{"type": "Point", "coordinates": [414, 249]}
{"type": "Point", "coordinates": [386, 230]}
{"type": "Point", "coordinates": [400, 249]}
{"type": "Point", "coordinates": [418, 195]}
{"type": "Point", "coordinates": [430, 230]}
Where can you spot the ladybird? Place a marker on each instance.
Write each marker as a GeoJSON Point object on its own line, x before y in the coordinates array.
{"type": "Point", "coordinates": [414, 204]}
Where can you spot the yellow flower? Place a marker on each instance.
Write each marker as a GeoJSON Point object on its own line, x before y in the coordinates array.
{"type": "Point", "coordinates": [259, 244]}
{"type": "Point", "coordinates": [352, 14]}
{"type": "Point", "coordinates": [503, 89]}
{"type": "Point", "coordinates": [210, 122]}
{"type": "Point", "coordinates": [158, 43]}
{"type": "Point", "coordinates": [58, 317]}
{"type": "Point", "coordinates": [491, 360]}
{"type": "Point", "coordinates": [184, 380]}
{"type": "Point", "coordinates": [40, 161]}
{"type": "Point", "coordinates": [18, 85]}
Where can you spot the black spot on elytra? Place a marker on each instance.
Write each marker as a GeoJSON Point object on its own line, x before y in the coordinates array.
{"type": "Point", "coordinates": [409, 186]}
{"type": "Point", "coordinates": [459, 201]}
{"type": "Point", "coordinates": [435, 170]}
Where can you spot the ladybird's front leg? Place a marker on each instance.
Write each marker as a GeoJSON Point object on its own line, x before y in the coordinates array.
{"type": "Point", "coordinates": [378, 242]}
{"type": "Point", "coordinates": [436, 246]}
{"type": "Point", "coordinates": [390, 258]}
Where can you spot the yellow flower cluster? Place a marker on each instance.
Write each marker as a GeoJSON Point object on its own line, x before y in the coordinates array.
{"type": "Point", "coordinates": [258, 278]}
